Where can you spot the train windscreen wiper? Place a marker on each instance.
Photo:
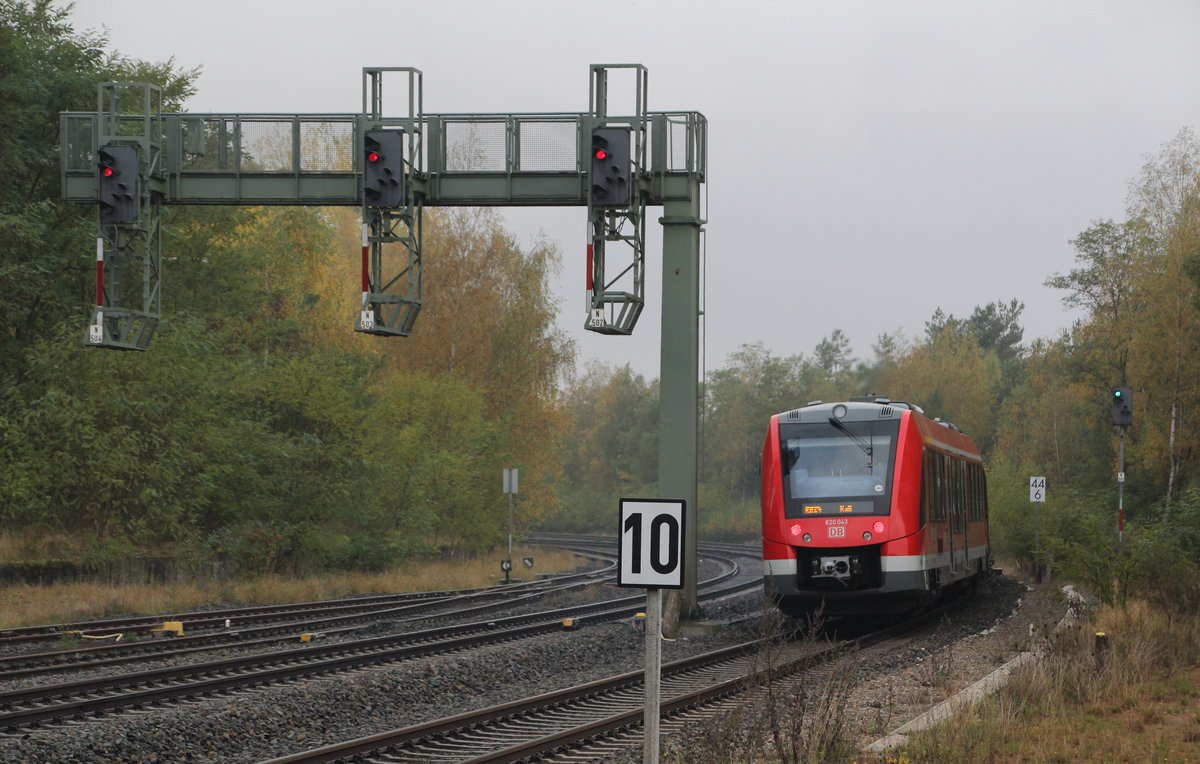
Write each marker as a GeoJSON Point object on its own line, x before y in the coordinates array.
{"type": "Point", "coordinates": [866, 447]}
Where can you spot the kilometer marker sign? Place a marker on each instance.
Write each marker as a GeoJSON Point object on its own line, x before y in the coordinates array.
{"type": "Point", "coordinates": [1037, 489]}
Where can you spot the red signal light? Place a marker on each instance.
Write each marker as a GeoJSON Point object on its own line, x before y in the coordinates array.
{"type": "Point", "coordinates": [106, 172]}
{"type": "Point", "coordinates": [601, 154]}
{"type": "Point", "coordinates": [372, 157]}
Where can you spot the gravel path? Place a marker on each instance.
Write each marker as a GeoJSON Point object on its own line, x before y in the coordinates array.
{"type": "Point", "coordinates": [253, 725]}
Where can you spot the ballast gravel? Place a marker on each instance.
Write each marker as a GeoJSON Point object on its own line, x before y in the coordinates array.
{"type": "Point", "coordinates": [269, 722]}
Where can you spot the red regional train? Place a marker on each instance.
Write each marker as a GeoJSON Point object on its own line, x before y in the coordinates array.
{"type": "Point", "coordinates": [869, 506]}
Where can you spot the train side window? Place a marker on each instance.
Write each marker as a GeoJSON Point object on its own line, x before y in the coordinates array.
{"type": "Point", "coordinates": [942, 488]}
{"type": "Point", "coordinates": [973, 474]}
{"type": "Point", "coordinates": [935, 486]}
{"type": "Point", "coordinates": [960, 474]}
{"type": "Point", "coordinates": [956, 489]}
{"type": "Point", "coordinates": [970, 478]}
{"type": "Point", "coordinates": [963, 494]}
{"type": "Point", "coordinates": [926, 479]}
{"type": "Point", "coordinates": [966, 493]}
{"type": "Point", "coordinates": [983, 497]}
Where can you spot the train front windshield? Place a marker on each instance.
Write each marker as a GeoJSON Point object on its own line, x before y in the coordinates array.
{"type": "Point", "coordinates": [838, 471]}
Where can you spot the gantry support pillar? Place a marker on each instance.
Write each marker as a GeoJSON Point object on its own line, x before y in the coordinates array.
{"type": "Point", "coordinates": [679, 375]}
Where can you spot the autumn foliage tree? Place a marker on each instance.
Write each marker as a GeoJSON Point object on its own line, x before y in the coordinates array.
{"type": "Point", "coordinates": [259, 432]}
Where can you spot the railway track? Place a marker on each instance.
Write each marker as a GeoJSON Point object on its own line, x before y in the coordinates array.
{"type": "Point", "coordinates": [210, 620]}
{"type": "Point", "coordinates": [22, 709]}
{"type": "Point", "coordinates": [323, 621]}
{"type": "Point", "coordinates": [594, 719]}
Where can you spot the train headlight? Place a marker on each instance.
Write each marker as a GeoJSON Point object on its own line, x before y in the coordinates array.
{"type": "Point", "coordinates": [866, 535]}
{"type": "Point", "coordinates": [878, 527]}
{"type": "Point", "coordinates": [807, 537]}
{"type": "Point", "coordinates": [796, 529]}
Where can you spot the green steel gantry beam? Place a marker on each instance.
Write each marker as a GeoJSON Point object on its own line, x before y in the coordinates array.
{"type": "Point", "coordinates": [453, 159]}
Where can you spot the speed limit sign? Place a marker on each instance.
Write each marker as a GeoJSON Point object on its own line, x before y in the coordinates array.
{"type": "Point", "coordinates": [651, 551]}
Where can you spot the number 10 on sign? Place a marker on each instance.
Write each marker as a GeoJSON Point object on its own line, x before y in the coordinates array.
{"type": "Point", "coordinates": [651, 551]}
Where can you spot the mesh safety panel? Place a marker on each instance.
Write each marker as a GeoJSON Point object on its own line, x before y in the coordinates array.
{"type": "Point", "coordinates": [326, 147]}
{"type": "Point", "coordinates": [266, 146]}
{"type": "Point", "coordinates": [476, 146]}
{"type": "Point", "coordinates": [548, 146]}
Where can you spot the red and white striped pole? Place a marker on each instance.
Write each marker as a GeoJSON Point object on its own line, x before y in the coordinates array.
{"type": "Point", "coordinates": [590, 285]}
{"type": "Point", "coordinates": [366, 265]}
{"type": "Point", "coordinates": [366, 319]}
{"type": "Point", "coordinates": [99, 271]}
{"type": "Point", "coordinates": [96, 330]}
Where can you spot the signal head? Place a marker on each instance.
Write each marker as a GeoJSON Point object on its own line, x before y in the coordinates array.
{"type": "Point", "coordinates": [1122, 406]}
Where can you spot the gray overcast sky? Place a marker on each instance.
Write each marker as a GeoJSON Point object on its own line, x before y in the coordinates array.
{"type": "Point", "coordinates": [869, 161]}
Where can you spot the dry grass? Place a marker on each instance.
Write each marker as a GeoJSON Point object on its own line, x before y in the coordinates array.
{"type": "Point", "coordinates": [34, 545]}
{"type": "Point", "coordinates": [66, 603]}
{"type": "Point", "coordinates": [791, 718]}
{"type": "Point", "coordinates": [1137, 699]}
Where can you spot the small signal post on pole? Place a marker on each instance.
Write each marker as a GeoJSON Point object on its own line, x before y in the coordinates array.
{"type": "Point", "coordinates": [651, 555]}
{"type": "Point", "coordinates": [1122, 418]}
{"type": "Point", "coordinates": [511, 485]}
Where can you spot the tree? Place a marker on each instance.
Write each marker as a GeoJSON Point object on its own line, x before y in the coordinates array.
{"type": "Point", "coordinates": [996, 327]}
{"type": "Point", "coordinates": [739, 402]}
{"type": "Point", "coordinates": [611, 444]}
{"type": "Point", "coordinates": [941, 322]}
{"type": "Point", "coordinates": [951, 377]}
{"type": "Point", "coordinates": [45, 68]}
{"type": "Point", "coordinates": [1165, 199]}
{"type": "Point", "coordinates": [833, 354]}
{"type": "Point", "coordinates": [1110, 256]}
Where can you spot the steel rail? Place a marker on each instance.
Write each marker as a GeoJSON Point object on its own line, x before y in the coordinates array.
{"type": "Point", "coordinates": [37, 705]}
{"type": "Point", "coordinates": [39, 664]}
{"type": "Point", "coordinates": [30, 664]}
{"type": "Point", "coordinates": [196, 620]}
{"type": "Point", "coordinates": [690, 681]}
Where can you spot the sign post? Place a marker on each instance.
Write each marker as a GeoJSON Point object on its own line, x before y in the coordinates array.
{"type": "Point", "coordinates": [1121, 496]}
{"type": "Point", "coordinates": [1037, 495]}
{"type": "Point", "coordinates": [651, 555]}
{"type": "Point", "coordinates": [510, 488]}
